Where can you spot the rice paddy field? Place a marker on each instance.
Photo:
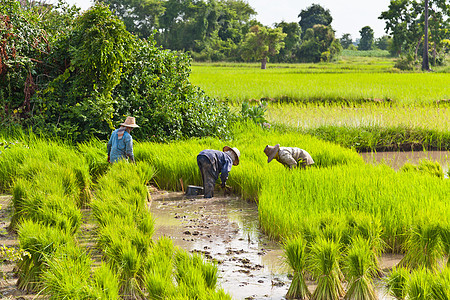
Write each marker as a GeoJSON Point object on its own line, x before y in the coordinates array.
{"type": "Point", "coordinates": [334, 219]}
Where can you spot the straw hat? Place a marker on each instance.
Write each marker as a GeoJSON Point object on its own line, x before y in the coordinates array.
{"type": "Point", "coordinates": [130, 122]}
{"type": "Point", "coordinates": [271, 151]}
{"type": "Point", "coordinates": [236, 152]}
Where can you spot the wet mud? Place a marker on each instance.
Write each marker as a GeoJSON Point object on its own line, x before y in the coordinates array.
{"type": "Point", "coordinates": [226, 230]}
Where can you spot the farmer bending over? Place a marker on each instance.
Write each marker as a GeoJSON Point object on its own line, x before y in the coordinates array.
{"type": "Point", "coordinates": [120, 145]}
{"type": "Point", "coordinates": [289, 156]}
{"type": "Point", "coordinates": [213, 162]}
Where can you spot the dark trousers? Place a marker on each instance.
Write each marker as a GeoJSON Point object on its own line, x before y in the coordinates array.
{"type": "Point", "coordinates": [208, 175]}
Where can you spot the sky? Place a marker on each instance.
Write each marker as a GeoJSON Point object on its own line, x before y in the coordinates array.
{"type": "Point", "coordinates": [349, 16]}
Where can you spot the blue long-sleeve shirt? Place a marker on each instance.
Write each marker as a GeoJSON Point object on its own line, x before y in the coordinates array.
{"type": "Point", "coordinates": [120, 149]}
{"type": "Point", "coordinates": [220, 161]}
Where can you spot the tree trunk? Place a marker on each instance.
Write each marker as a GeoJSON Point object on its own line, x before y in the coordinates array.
{"type": "Point", "coordinates": [263, 63]}
{"type": "Point", "coordinates": [425, 62]}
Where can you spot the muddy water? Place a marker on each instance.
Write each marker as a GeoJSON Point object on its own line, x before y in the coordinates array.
{"type": "Point", "coordinates": [226, 229]}
{"type": "Point", "coordinates": [397, 159]}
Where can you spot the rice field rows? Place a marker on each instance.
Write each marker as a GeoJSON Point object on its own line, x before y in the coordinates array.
{"type": "Point", "coordinates": [50, 182]}
{"type": "Point", "coordinates": [239, 83]}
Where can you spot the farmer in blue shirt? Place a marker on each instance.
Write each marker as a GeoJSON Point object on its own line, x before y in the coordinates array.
{"type": "Point", "coordinates": [213, 162]}
{"type": "Point", "coordinates": [120, 145]}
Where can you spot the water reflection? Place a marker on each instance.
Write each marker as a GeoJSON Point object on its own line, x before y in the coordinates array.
{"type": "Point", "coordinates": [397, 159]}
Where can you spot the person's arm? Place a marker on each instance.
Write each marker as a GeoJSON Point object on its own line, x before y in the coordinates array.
{"type": "Point", "coordinates": [287, 159]}
{"type": "Point", "coordinates": [129, 148]}
{"type": "Point", "coordinates": [225, 171]}
{"type": "Point", "coordinates": [108, 147]}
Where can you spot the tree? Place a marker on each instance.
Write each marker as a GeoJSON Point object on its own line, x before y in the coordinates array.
{"type": "Point", "coordinates": [346, 40]}
{"type": "Point", "coordinates": [319, 44]}
{"type": "Point", "coordinates": [313, 15]}
{"type": "Point", "coordinates": [383, 43]}
{"type": "Point", "coordinates": [405, 23]}
{"type": "Point", "coordinates": [261, 42]}
{"type": "Point", "coordinates": [366, 41]}
{"type": "Point", "coordinates": [292, 41]}
{"type": "Point", "coordinates": [141, 17]}
{"type": "Point", "coordinates": [425, 62]}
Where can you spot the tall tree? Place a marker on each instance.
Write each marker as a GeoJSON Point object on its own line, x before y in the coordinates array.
{"type": "Point", "coordinates": [346, 40]}
{"type": "Point", "coordinates": [425, 62]}
{"type": "Point", "coordinates": [141, 17]}
{"type": "Point", "coordinates": [292, 41]}
{"type": "Point", "coordinates": [405, 23]}
{"type": "Point", "coordinates": [313, 15]}
{"type": "Point", "coordinates": [261, 42]}
{"type": "Point", "coordinates": [366, 41]}
{"type": "Point", "coordinates": [319, 44]}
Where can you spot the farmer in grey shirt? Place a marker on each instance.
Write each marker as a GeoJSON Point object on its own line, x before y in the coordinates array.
{"type": "Point", "coordinates": [289, 156]}
{"type": "Point", "coordinates": [212, 163]}
{"type": "Point", "coordinates": [120, 145]}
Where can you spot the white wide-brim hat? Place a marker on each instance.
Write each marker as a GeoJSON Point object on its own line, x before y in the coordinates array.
{"type": "Point", "coordinates": [236, 151]}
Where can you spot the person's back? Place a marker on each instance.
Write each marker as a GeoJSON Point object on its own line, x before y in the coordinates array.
{"type": "Point", "coordinates": [121, 148]}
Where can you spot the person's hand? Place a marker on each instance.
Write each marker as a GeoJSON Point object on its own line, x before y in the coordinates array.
{"type": "Point", "coordinates": [109, 159]}
{"type": "Point", "coordinates": [222, 185]}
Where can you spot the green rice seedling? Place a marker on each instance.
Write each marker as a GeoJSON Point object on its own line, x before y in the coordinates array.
{"type": "Point", "coordinates": [105, 284]}
{"type": "Point", "coordinates": [440, 285]}
{"type": "Point", "coordinates": [67, 274]}
{"type": "Point", "coordinates": [158, 269]}
{"type": "Point", "coordinates": [94, 152]}
{"type": "Point", "coordinates": [193, 273]}
{"type": "Point", "coordinates": [324, 265]}
{"type": "Point", "coordinates": [418, 286]}
{"type": "Point", "coordinates": [127, 262]}
{"type": "Point", "coordinates": [358, 268]}
{"type": "Point", "coordinates": [146, 171]}
{"type": "Point", "coordinates": [370, 229]}
{"type": "Point", "coordinates": [296, 256]}
{"type": "Point", "coordinates": [425, 166]}
{"type": "Point", "coordinates": [423, 246]}
{"type": "Point", "coordinates": [51, 207]}
{"type": "Point", "coordinates": [41, 242]}
{"type": "Point", "coordinates": [396, 282]}
{"type": "Point", "coordinates": [445, 238]}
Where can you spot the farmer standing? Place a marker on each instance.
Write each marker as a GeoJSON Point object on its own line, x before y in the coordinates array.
{"type": "Point", "coordinates": [120, 145]}
{"type": "Point", "coordinates": [289, 156]}
{"type": "Point", "coordinates": [213, 162]}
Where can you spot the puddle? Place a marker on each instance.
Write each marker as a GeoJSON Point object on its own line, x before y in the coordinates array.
{"type": "Point", "coordinates": [397, 159]}
{"type": "Point", "coordinates": [226, 229]}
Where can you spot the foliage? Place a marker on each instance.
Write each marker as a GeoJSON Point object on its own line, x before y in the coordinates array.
{"type": "Point", "coordinates": [319, 44]}
{"type": "Point", "coordinates": [292, 42]}
{"type": "Point", "coordinates": [156, 90]}
{"type": "Point", "coordinates": [366, 42]}
{"type": "Point", "coordinates": [78, 100]}
{"type": "Point", "coordinates": [10, 254]}
{"type": "Point", "coordinates": [346, 40]}
{"type": "Point", "coordinates": [254, 112]}
{"type": "Point", "coordinates": [139, 17]}
{"type": "Point", "coordinates": [314, 15]}
{"type": "Point", "coordinates": [404, 21]}
{"type": "Point", "coordinates": [262, 42]}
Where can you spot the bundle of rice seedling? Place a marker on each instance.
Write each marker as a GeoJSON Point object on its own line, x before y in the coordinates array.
{"type": "Point", "coordinates": [418, 286]}
{"type": "Point", "coordinates": [105, 283]}
{"type": "Point", "coordinates": [324, 265]}
{"type": "Point", "coordinates": [67, 275]}
{"type": "Point", "coordinates": [423, 246]}
{"type": "Point", "coordinates": [396, 282]}
{"type": "Point", "coordinates": [295, 256]}
{"type": "Point", "coordinates": [41, 242]}
{"type": "Point", "coordinates": [358, 268]}
{"type": "Point", "coordinates": [445, 238]}
{"type": "Point", "coordinates": [440, 285]}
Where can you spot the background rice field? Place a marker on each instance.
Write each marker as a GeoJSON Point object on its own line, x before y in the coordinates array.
{"type": "Point", "coordinates": [321, 83]}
